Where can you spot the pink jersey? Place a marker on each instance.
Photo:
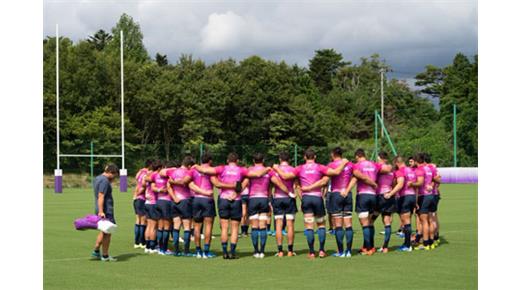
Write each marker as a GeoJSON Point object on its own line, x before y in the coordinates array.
{"type": "Point", "coordinates": [150, 195]}
{"type": "Point", "coordinates": [230, 174]}
{"type": "Point", "coordinates": [433, 169]}
{"type": "Point", "coordinates": [339, 182]}
{"type": "Point", "coordinates": [371, 170]}
{"type": "Point", "coordinates": [181, 191]}
{"type": "Point", "coordinates": [259, 187]}
{"type": "Point", "coordinates": [408, 174]}
{"type": "Point", "coordinates": [160, 183]}
{"type": "Point", "coordinates": [385, 182]}
{"type": "Point", "coordinates": [139, 183]}
{"type": "Point", "coordinates": [428, 180]}
{"type": "Point", "coordinates": [308, 174]}
{"type": "Point", "coordinates": [289, 183]}
{"type": "Point", "coordinates": [203, 181]}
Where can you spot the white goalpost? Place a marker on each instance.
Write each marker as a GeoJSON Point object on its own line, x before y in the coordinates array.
{"type": "Point", "coordinates": [58, 172]}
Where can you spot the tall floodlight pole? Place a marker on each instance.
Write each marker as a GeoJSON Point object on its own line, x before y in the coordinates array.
{"type": "Point", "coordinates": [58, 174]}
{"type": "Point", "coordinates": [123, 182]}
{"type": "Point", "coordinates": [382, 71]}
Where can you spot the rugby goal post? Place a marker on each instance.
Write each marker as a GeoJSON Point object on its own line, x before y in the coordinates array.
{"type": "Point", "coordinates": [58, 172]}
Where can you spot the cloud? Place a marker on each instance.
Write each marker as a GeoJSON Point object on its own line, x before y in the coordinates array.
{"type": "Point", "coordinates": [407, 34]}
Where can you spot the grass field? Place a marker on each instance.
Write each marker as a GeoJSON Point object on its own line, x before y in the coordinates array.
{"type": "Point", "coordinates": [67, 265]}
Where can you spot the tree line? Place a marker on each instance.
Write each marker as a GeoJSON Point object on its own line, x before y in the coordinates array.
{"type": "Point", "coordinates": [252, 104]}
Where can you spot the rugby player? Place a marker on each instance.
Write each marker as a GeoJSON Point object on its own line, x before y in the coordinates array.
{"type": "Point", "coordinates": [258, 205]}
{"type": "Point", "coordinates": [385, 207]}
{"type": "Point", "coordinates": [366, 196]}
{"type": "Point", "coordinates": [229, 204]}
{"type": "Point", "coordinates": [139, 200]}
{"type": "Point", "coordinates": [312, 176]}
{"type": "Point", "coordinates": [104, 208]}
{"type": "Point", "coordinates": [244, 197]}
{"type": "Point", "coordinates": [406, 198]}
{"type": "Point", "coordinates": [164, 207]}
{"type": "Point", "coordinates": [436, 193]}
{"type": "Point", "coordinates": [284, 207]}
{"type": "Point", "coordinates": [152, 213]}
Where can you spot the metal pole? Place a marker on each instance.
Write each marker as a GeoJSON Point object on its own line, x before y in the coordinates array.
{"type": "Point", "coordinates": [201, 151]}
{"type": "Point", "coordinates": [454, 135]}
{"type": "Point", "coordinates": [58, 172]}
{"type": "Point", "coordinates": [382, 71]}
{"type": "Point", "coordinates": [375, 134]}
{"type": "Point", "coordinates": [122, 173]}
{"type": "Point", "coordinates": [91, 161]}
{"type": "Point", "coordinates": [387, 136]}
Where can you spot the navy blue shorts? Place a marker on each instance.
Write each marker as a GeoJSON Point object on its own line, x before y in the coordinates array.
{"type": "Point", "coordinates": [339, 204]}
{"type": "Point", "coordinates": [437, 199]}
{"type": "Point", "coordinates": [244, 198]}
{"type": "Point", "coordinates": [152, 212]}
{"type": "Point", "coordinates": [257, 205]}
{"type": "Point", "coordinates": [139, 207]}
{"type": "Point", "coordinates": [327, 202]}
{"type": "Point", "coordinates": [386, 206]}
{"type": "Point", "coordinates": [427, 204]}
{"type": "Point", "coordinates": [406, 204]}
{"type": "Point", "coordinates": [165, 208]}
{"type": "Point", "coordinates": [202, 208]}
{"type": "Point", "coordinates": [366, 203]}
{"type": "Point", "coordinates": [314, 205]}
{"type": "Point", "coordinates": [284, 205]}
{"type": "Point", "coordinates": [183, 209]}
{"type": "Point", "coordinates": [229, 209]}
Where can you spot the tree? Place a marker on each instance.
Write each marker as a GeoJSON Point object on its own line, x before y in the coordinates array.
{"type": "Point", "coordinates": [133, 39]}
{"type": "Point", "coordinates": [100, 39]}
{"type": "Point", "coordinates": [323, 67]}
{"type": "Point", "coordinates": [161, 59]}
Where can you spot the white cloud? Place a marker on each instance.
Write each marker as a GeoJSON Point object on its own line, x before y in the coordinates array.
{"type": "Point", "coordinates": [223, 32]}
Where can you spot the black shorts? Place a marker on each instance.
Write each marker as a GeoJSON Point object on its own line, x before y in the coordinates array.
{"type": "Point", "coordinates": [314, 205]}
{"type": "Point", "coordinates": [165, 208]}
{"type": "Point", "coordinates": [338, 204]}
{"type": "Point", "coordinates": [406, 204]}
{"type": "Point", "coordinates": [229, 209]}
{"type": "Point", "coordinates": [257, 205]}
{"type": "Point", "coordinates": [152, 212]}
{"type": "Point", "coordinates": [426, 204]}
{"type": "Point", "coordinates": [284, 205]}
{"type": "Point", "coordinates": [437, 199]}
{"type": "Point", "coordinates": [139, 207]}
{"type": "Point", "coordinates": [327, 202]}
{"type": "Point", "coordinates": [202, 208]}
{"type": "Point", "coordinates": [183, 209]}
{"type": "Point", "coordinates": [244, 198]}
{"type": "Point", "coordinates": [366, 203]}
{"type": "Point", "coordinates": [386, 206]}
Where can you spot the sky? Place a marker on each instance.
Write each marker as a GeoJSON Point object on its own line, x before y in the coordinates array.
{"type": "Point", "coordinates": [407, 34]}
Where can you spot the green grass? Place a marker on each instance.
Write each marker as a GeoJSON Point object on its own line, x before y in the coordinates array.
{"type": "Point", "coordinates": [67, 265]}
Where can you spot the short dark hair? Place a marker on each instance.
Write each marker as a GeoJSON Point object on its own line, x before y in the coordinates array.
{"type": "Point", "coordinates": [156, 165]}
{"type": "Point", "coordinates": [284, 156]}
{"type": "Point", "coordinates": [427, 158]}
{"type": "Point", "coordinates": [383, 155]}
{"type": "Point", "coordinates": [337, 151]}
{"type": "Point", "coordinates": [206, 157]}
{"type": "Point", "coordinates": [419, 157]}
{"type": "Point", "coordinates": [148, 163]}
{"type": "Point", "coordinates": [309, 153]}
{"type": "Point", "coordinates": [232, 157]}
{"type": "Point", "coordinates": [360, 153]}
{"type": "Point", "coordinates": [111, 168]}
{"type": "Point", "coordinates": [258, 157]}
{"type": "Point", "coordinates": [411, 158]}
{"type": "Point", "coordinates": [188, 161]}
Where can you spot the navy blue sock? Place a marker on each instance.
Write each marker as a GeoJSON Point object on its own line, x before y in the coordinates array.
{"type": "Point", "coordinates": [280, 248]}
{"type": "Point", "coordinates": [322, 235]}
{"type": "Point", "coordinates": [224, 248]}
{"type": "Point", "coordinates": [165, 239]}
{"type": "Point", "coordinates": [206, 249]}
{"type": "Point", "coordinates": [160, 238]}
{"type": "Point", "coordinates": [340, 234]}
{"type": "Point", "coordinates": [147, 244]}
{"type": "Point", "coordinates": [175, 236]}
{"type": "Point", "coordinates": [263, 239]}
{"type": "Point", "coordinates": [187, 236]}
{"type": "Point", "coordinates": [309, 233]}
{"type": "Point", "coordinates": [349, 233]}
{"type": "Point", "coordinates": [142, 229]}
{"type": "Point", "coordinates": [198, 249]}
{"type": "Point", "coordinates": [152, 244]}
{"type": "Point", "coordinates": [136, 234]}
{"type": "Point", "coordinates": [244, 229]}
{"type": "Point", "coordinates": [372, 236]}
{"type": "Point", "coordinates": [407, 234]}
{"type": "Point", "coordinates": [388, 233]}
{"type": "Point", "coordinates": [254, 238]}
{"type": "Point", "coordinates": [366, 237]}
{"type": "Point", "coordinates": [233, 248]}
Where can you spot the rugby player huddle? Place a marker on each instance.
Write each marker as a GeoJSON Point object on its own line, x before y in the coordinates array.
{"type": "Point", "coordinates": [172, 196]}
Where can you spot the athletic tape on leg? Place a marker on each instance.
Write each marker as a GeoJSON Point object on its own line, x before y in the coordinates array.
{"type": "Point", "coordinates": [363, 214]}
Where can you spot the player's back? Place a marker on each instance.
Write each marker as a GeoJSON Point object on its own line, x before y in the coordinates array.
{"type": "Point", "coordinates": [259, 186]}
{"type": "Point", "coordinates": [289, 183]}
{"type": "Point", "coordinates": [203, 181]}
{"type": "Point", "coordinates": [369, 169]}
{"type": "Point", "coordinates": [342, 180]}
